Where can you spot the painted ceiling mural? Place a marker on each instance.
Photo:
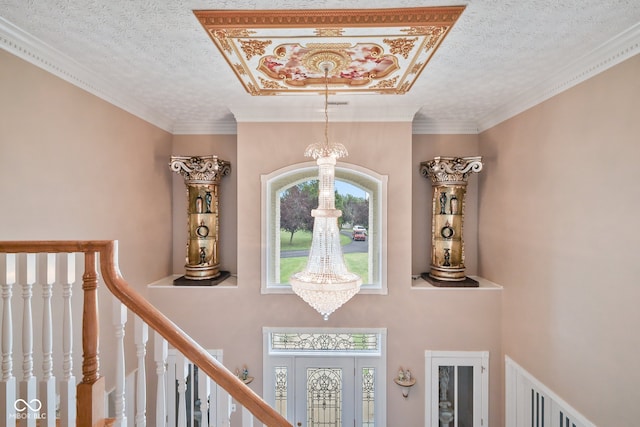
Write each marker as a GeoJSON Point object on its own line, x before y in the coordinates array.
{"type": "Point", "coordinates": [289, 52]}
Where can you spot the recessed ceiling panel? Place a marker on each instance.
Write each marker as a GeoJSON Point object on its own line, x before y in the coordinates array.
{"type": "Point", "coordinates": [288, 52]}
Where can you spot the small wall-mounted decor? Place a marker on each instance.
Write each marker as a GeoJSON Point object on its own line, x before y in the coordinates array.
{"type": "Point", "coordinates": [449, 176]}
{"type": "Point", "coordinates": [244, 375]}
{"type": "Point", "coordinates": [405, 380]}
{"type": "Point", "coordinates": [202, 175]}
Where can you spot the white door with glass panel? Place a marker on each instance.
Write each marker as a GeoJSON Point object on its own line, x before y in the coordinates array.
{"type": "Point", "coordinates": [457, 384]}
{"type": "Point", "coordinates": [325, 391]}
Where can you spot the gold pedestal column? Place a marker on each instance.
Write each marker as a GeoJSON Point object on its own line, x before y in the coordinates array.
{"type": "Point", "coordinates": [449, 176]}
{"type": "Point", "coordinates": [202, 175]}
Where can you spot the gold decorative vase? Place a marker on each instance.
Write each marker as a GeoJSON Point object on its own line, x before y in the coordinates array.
{"type": "Point", "coordinates": [449, 176]}
{"type": "Point", "coordinates": [202, 175]}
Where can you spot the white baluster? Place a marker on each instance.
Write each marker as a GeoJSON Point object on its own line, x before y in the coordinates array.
{"type": "Point", "coordinates": [141, 338]}
{"type": "Point", "coordinates": [204, 391]}
{"type": "Point", "coordinates": [48, 382]}
{"type": "Point", "coordinates": [65, 275]}
{"type": "Point", "coordinates": [7, 381]}
{"type": "Point", "coordinates": [247, 418]}
{"type": "Point", "coordinates": [119, 321]}
{"type": "Point", "coordinates": [228, 400]}
{"type": "Point", "coordinates": [172, 389]}
{"type": "Point", "coordinates": [160, 357]}
{"type": "Point", "coordinates": [212, 408]}
{"type": "Point", "coordinates": [28, 384]}
{"type": "Point", "coordinates": [182, 371]}
{"type": "Point", "coordinates": [191, 393]}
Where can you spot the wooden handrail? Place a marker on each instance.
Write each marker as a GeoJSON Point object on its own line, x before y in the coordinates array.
{"type": "Point", "coordinates": [108, 250]}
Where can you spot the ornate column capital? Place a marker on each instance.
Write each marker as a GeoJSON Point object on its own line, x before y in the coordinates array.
{"type": "Point", "coordinates": [200, 169]}
{"type": "Point", "coordinates": [450, 170]}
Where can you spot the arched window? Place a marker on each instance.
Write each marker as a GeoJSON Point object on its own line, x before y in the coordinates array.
{"type": "Point", "coordinates": [358, 188]}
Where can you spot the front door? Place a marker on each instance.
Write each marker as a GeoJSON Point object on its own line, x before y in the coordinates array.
{"type": "Point", "coordinates": [325, 392]}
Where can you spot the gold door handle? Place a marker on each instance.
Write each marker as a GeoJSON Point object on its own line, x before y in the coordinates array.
{"type": "Point", "coordinates": [299, 424]}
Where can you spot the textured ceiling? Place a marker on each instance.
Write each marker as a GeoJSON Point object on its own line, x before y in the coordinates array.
{"type": "Point", "coordinates": [154, 59]}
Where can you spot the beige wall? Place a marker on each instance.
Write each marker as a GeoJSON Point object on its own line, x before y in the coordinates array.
{"type": "Point", "coordinates": [73, 166]}
{"type": "Point", "coordinates": [559, 204]}
{"type": "Point", "coordinates": [416, 320]}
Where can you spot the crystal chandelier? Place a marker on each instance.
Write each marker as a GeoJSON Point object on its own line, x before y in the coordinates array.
{"type": "Point", "coordinates": [326, 284]}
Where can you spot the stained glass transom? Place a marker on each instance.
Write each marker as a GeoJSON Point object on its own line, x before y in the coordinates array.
{"type": "Point", "coordinates": [349, 342]}
{"type": "Point", "coordinates": [324, 397]}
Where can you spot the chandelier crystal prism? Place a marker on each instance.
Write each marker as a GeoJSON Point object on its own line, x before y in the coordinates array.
{"type": "Point", "coordinates": [325, 283]}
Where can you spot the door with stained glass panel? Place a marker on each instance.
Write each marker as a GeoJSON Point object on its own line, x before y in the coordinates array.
{"type": "Point", "coordinates": [325, 392]}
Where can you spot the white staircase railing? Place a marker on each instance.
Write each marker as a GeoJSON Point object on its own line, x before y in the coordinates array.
{"type": "Point", "coordinates": [183, 395]}
{"type": "Point", "coordinates": [531, 403]}
{"type": "Point", "coordinates": [200, 402]}
{"type": "Point", "coordinates": [56, 285]}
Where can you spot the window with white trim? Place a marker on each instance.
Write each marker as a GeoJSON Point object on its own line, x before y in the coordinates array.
{"type": "Point", "coordinates": [367, 185]}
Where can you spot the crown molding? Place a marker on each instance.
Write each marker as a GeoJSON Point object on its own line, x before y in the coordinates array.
{"type": "Point", "coordinates": [245, 113]}
{"type": "Point", "coordinates": [444, 127]}
{"type": "Point", "coordinates": [226, 127]}
{"type": "Point", "coordinates": [616, 50]}
{"type": "Point", "coordinates": [25, 46]}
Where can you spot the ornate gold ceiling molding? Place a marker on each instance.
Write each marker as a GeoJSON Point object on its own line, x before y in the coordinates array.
{"type": "Point", "coordinates": [324, 18]}
{"type": "Point", "coordinates": [282, 51]}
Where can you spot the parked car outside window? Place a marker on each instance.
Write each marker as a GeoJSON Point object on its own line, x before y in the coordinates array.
{"type": "Point", "coordinates": [359, 235]}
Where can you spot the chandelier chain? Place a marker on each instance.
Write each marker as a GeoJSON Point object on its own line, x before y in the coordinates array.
{"type": "Point", "coordinates": [326, 108]}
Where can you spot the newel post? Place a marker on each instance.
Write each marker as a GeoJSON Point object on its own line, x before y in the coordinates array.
{"type": "Point", "coordinates": [91, 391]}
